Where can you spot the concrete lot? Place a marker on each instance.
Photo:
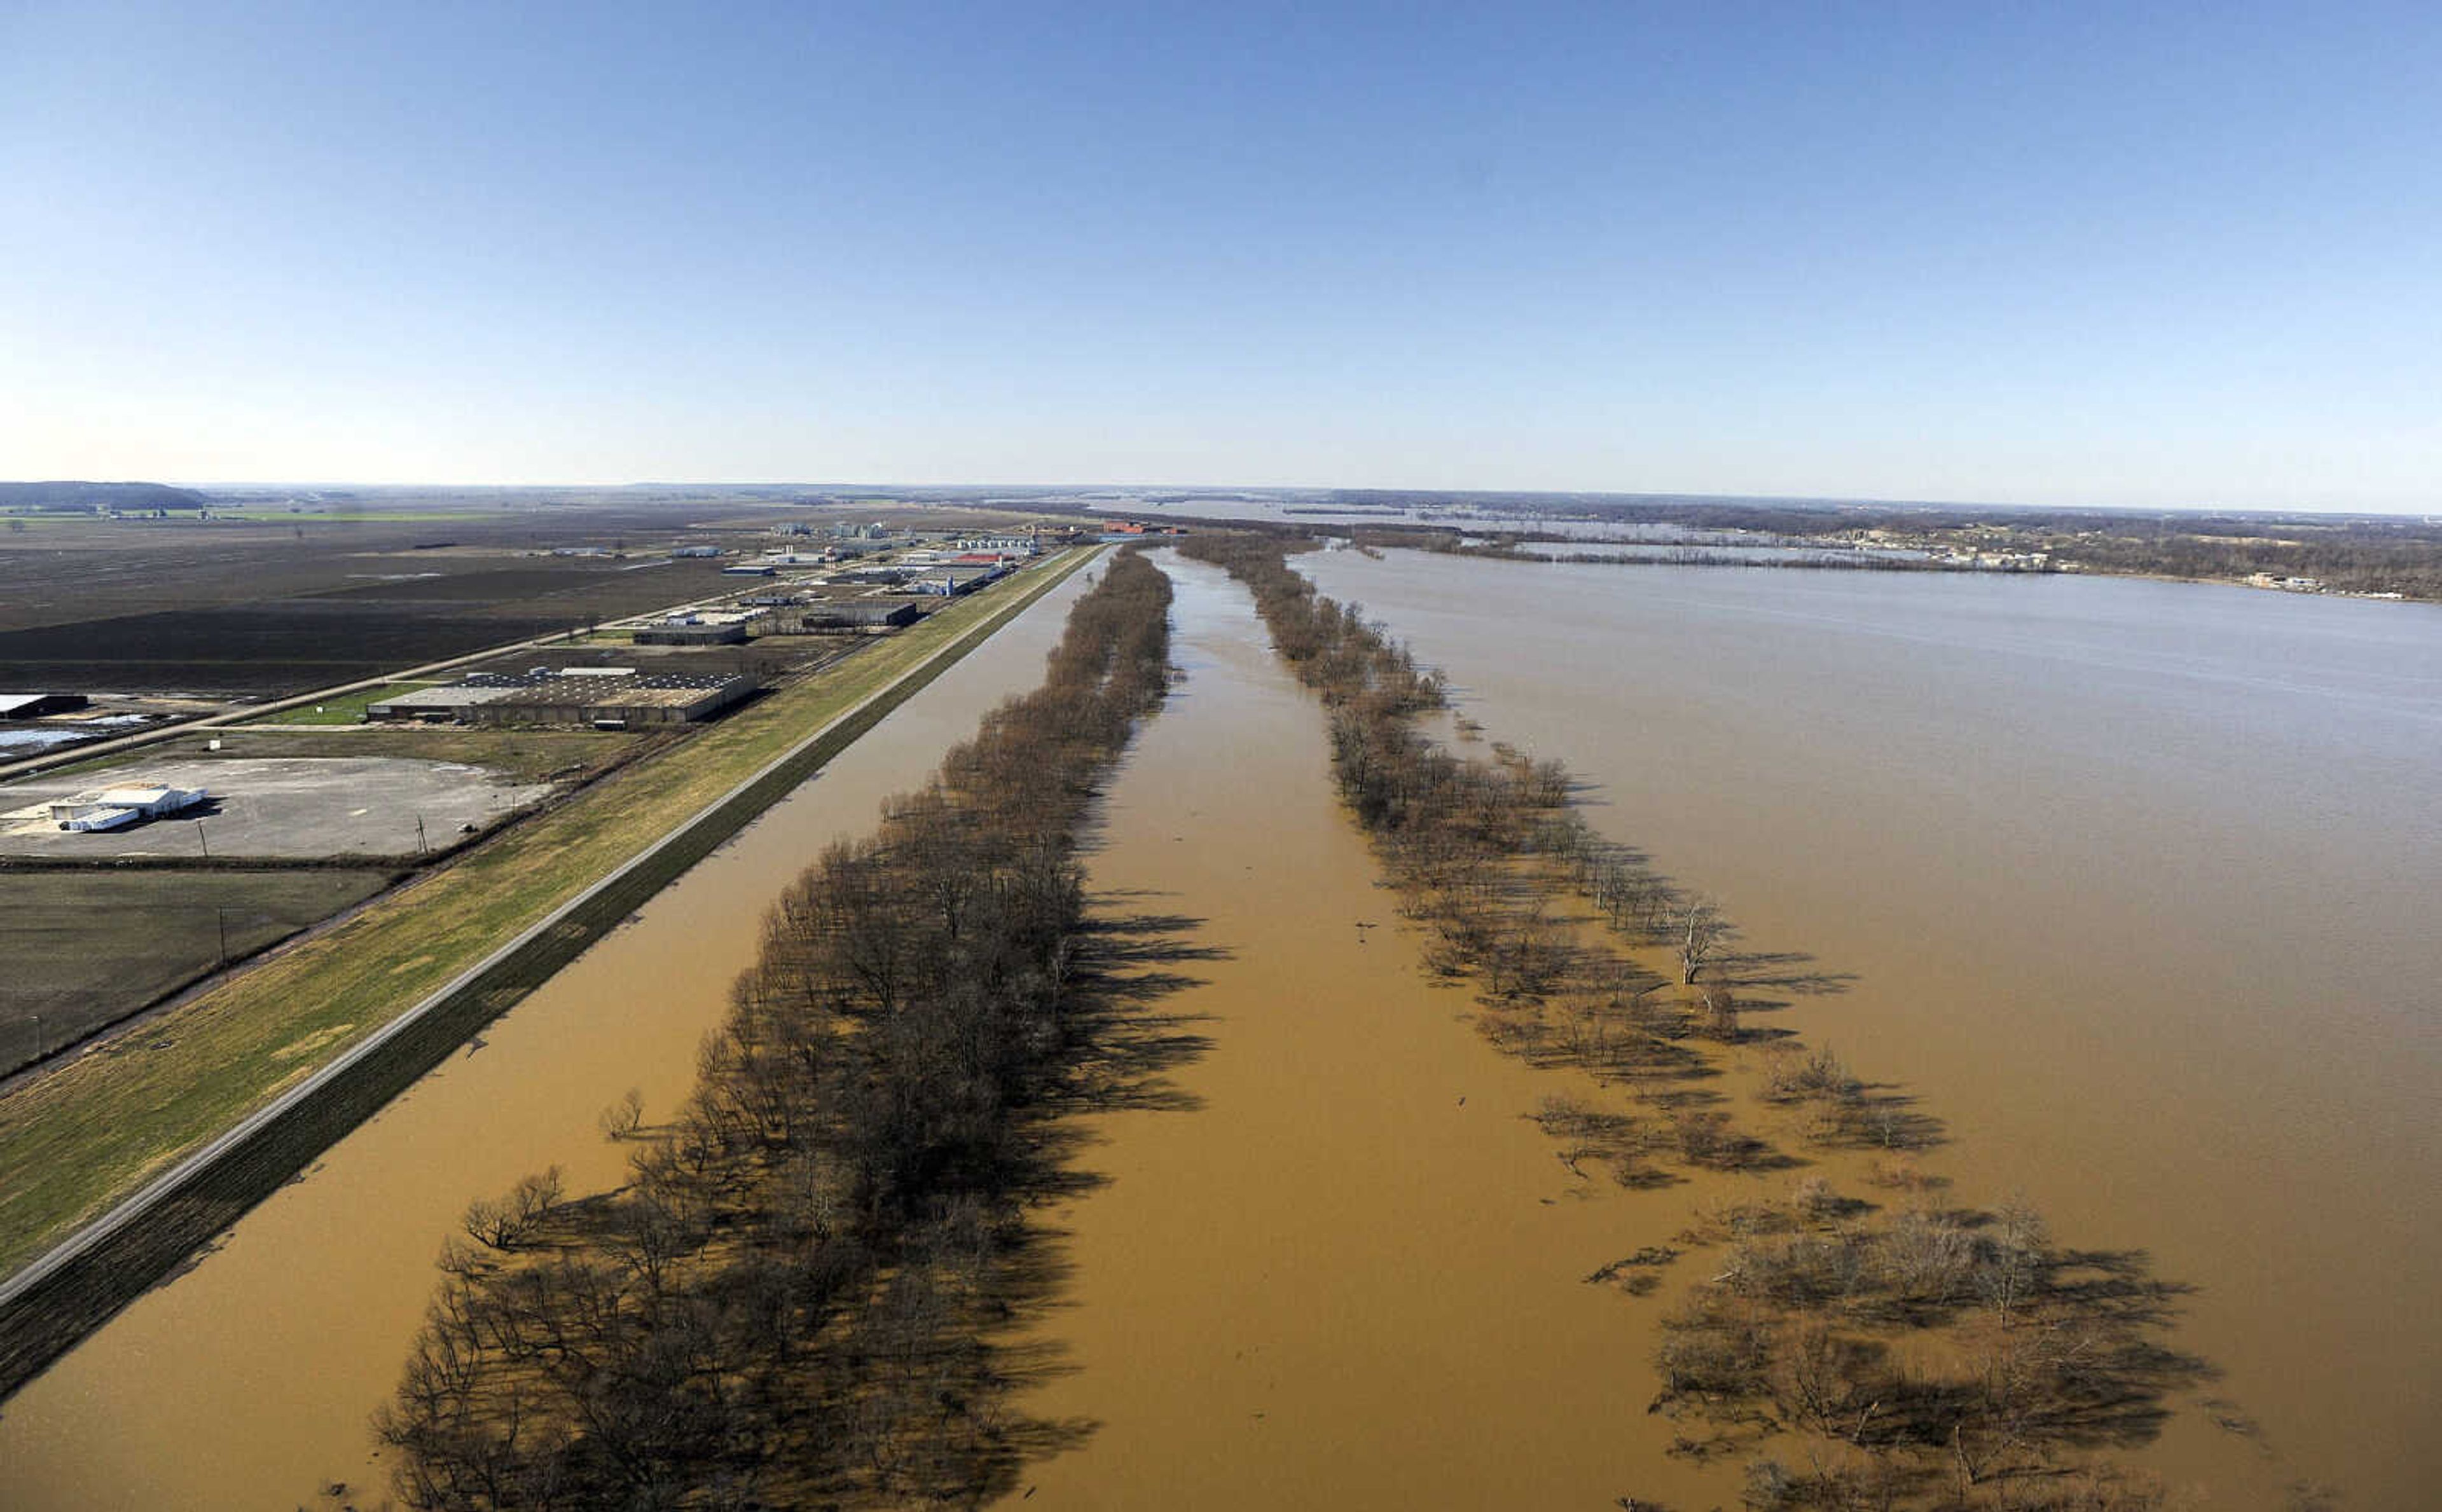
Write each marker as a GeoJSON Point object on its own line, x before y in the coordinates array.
{"type": "Point", "coordinates": [303, 806]}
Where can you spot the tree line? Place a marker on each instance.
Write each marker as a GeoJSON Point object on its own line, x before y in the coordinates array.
{"type": "Point", "coordinates": [2351, 553]}
{"type": "Point", "coordinates": [786, 1303]}
{"type": "Point", "coordinates": [2359, 558]}
{"type": "Point", "coordinates": [1907, 1352]}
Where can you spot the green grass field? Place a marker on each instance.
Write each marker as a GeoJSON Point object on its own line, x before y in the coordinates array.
{"type": "Point", "coordinates": [348, 708]}
{"type": "Point", "coordinates": [90, 1133]}
{"type": "Point", "coordinates": [530, 755]}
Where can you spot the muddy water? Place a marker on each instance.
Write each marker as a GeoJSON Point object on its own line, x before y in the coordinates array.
{"type": "Point", "coordinates": [249, 1381]}
{"type": "Point", "coordinates": [1351, 1276]}
{"type": "Point", "coordinates": [2141, 884]}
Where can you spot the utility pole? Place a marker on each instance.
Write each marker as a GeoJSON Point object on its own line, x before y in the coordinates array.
{"type": "Point", "coordinates": [421, 847]}
{"type": "Point", "coordinates": [201, 841]}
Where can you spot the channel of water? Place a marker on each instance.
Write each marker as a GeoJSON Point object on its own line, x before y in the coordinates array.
{"type": "Point", "coordinates": [1353, 1275]}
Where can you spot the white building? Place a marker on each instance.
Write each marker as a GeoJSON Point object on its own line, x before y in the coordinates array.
{"type": "Point", "coordinates": [109, 807]}
{"type": "Point", "coordinates": [1020, 545]}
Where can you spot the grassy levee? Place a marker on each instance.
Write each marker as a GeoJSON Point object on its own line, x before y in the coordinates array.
{"type": "Point", "coordinates": [87, 1137]}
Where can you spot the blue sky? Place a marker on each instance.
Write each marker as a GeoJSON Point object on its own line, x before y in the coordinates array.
{"type": "Point", "coordinates": [2113, 255]}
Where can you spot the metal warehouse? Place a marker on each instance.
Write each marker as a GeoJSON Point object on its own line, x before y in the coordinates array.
{"type": "Point", "coordinates": [609, 698]}
{"type": "Point", "coordinates": [692, 632]}
{"type": "Point", "coordinates": [861, 614]}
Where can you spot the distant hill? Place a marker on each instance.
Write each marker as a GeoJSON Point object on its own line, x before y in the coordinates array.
{"type": "Point", "coordinates": [51, 495]}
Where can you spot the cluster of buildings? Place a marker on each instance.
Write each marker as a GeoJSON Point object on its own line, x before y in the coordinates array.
{"type": "Point", "coordinates": [962, 573]}
{"type": "Point", "coordinates": [1996, 561]}
{"type": "Point", "coordinates": [1124, 531]}
{"type": "Point", "coordinates": [845, 579]}
{"type": "Point", "coordinates": [898, 563]}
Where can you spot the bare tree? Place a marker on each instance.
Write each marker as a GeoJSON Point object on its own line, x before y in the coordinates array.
{"type": "Point", "coordinates": [507, 1221]}
{"type": "Point", "coordinates": [621, 1119]}
{"type": "Point", "coordinates": [1701, 932]}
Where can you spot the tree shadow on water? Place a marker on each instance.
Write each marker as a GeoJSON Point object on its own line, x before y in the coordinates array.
{"type": "Point", "coordinates": [1124, 1049]}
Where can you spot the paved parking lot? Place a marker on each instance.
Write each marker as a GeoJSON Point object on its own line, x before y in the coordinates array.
{"type": "Point", "coordinates": [288, 807]}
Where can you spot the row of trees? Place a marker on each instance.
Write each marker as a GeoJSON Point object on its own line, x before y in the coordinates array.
{"type": "Point", "coordinates": [786, 1305]}
{"type": "Point", "coordinates": [1488, 853]}
{"type": "Point", "coordinates": [2026, 1359]}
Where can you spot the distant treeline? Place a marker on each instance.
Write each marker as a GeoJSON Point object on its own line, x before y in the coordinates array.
{"type": "Point", "coordinates": [2355, 553]}
{"type": "Point", "coordinates": [1801, 560]}
{"type": "Point", "coordinates": [87, 496]}
{"type": "Point", "coordinates": [785, 1304]}
{"type": "Point", "coordinates": [2362, 559]}
{"type": "Point", "coordinates": [1512, 548]}
{"type": "Point", "coordinates": [1914, 1353]}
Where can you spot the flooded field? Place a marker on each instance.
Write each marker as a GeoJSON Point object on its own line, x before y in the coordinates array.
{"type": "Point", "coordinates": [2138, 883]}
{"type": "Point", "coordinates": [249, 1381]}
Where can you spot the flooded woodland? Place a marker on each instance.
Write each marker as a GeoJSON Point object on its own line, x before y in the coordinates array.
{"type": "Point", "coordinates": [2132, 884]}
{"type": "Point", "coordinates": [2125, 890]}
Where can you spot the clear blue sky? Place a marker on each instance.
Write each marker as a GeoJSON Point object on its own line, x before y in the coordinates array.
{"type": "Point", "coordinates": [2110, 254]}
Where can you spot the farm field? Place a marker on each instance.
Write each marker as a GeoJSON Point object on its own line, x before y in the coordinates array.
{"type": "Point", "coordinates": [86, 948]}
{"type": "Point", "coordinates": [274, 604]}
{"type": "Point", "coordinates": [289, 645]}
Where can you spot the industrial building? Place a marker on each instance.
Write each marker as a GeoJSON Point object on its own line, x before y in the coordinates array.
{"type": "Point", "coordinates": [948, 582]}
{"type": "Point", "coordinates": [1002, 545]}
{"type": "Point", "coordinates": [692, 632]}
{"type": "Point", "coordinates": [609, 698]}
{"type": "Point", "coordinates": [861, 613]}
{"type": "Point", "coordinates": [109, 807]}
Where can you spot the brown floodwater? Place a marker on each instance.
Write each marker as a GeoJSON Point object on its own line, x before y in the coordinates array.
{"type": "Point", "coordinates": [1353, 1275]}
{"type": "Point", "coordinates": [2141, 886]}
{"type": "Point", "coordinates": [249, 1381]}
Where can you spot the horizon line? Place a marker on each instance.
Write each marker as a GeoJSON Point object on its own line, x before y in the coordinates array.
{"type": "Point", "coordinates": [1836, 501]}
